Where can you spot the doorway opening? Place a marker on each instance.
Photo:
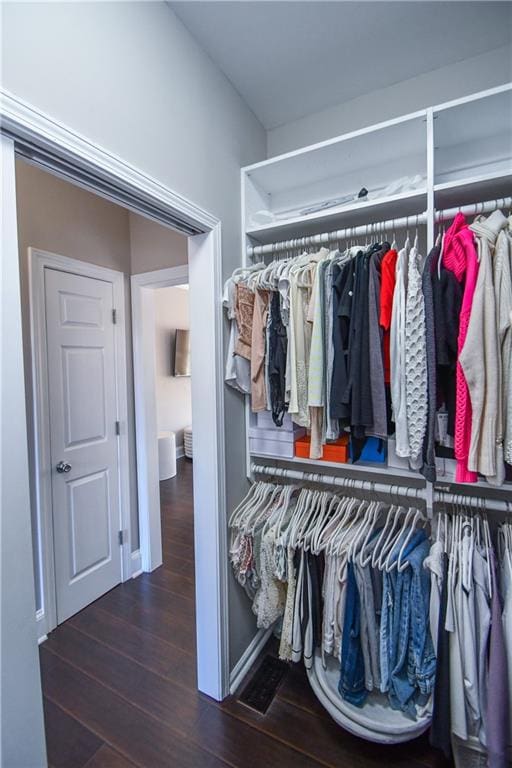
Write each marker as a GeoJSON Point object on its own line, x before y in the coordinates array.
{"type": "Point", "coordinates": [79, 257]}
{"type": "Point", "coordinates": [79, 384]}
{"type": "Point", "coordinates": [173, 399]}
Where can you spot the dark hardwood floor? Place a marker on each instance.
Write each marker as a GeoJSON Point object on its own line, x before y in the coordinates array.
{"type": "Point", "coordinates": [120, 688]}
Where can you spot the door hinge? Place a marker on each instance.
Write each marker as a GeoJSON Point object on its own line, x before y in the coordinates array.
{"type": "Point", "coordinates": [121, 538]}
{"type": "Point", "coordinates": [118, 427]}
{"type": "Point", "coordinates": [114, 316]}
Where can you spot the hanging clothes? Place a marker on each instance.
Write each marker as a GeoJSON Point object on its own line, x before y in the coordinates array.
{"type": "Point", "coordinates": [359, 387]}
{"type": "Point", "coordinates": [343, 294]}
{"type": "Point", "coordinates": [502, 281]}
{"type": "Point", "coordinates": [460, 257]}
{"type": "Point", "coordinates": [479, 356]}
{"type": "Point", "coordinates": [370, 340]}
{"type": "Point", "coordinates": [258, 347]}
{"type": "Point", "coordinates": [397, 348]}
{"type": "Point", "coordinates": [507, 384]}
{"type": "Point", "coordinates": [428, 468]}
{"type": "Point", "coordinates": [316, 367]}
{"type": "Point", "coordinates": [331, 425]}
{"type": "Point", "coordinates": [342, 579]}
{"type": "Point", "coordinates": [498, 692]}
{"type": "Point", "coordinates": [447, 299]}
{"type": "Point", "coordinates": [388, 279]}
{"type": "Point", "coordinates": [238, 370]}
{"type": "Point", "coordinates": [441, 728]}
{"type": "Point", "coordinates": [416, 383]}
{"type": "Point", "coordinates": [377, 382]}
{"type": "Point", "coordinates": [244, 311]}
{"type": "Point", "coordinates": [277, 349]}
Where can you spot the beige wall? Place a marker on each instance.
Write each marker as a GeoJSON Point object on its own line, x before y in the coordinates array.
{"type": "Point", "coordinates": [56, 216]}
{"type": "Point", "coordinates": [154, 246]}
{"type": "Point", "coordinates": [173, 394]}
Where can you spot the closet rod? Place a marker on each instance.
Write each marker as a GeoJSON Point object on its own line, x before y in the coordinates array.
{"type": "Point", "coordinates": [390, 489]}
{"type": "Point", "coordinates": [364, 229]}
{"type": "Point", "coordinates": [480, 502]}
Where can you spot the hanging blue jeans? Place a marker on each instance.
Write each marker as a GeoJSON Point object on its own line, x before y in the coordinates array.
{"type": "Point", "coordinates": [392, 629]}
{"type": "Point", "coordinates": [351, 685]}
{"type": "Point", "coordinates": [422, 659]}
{"type": "Point", "coordinates": [414, 669]}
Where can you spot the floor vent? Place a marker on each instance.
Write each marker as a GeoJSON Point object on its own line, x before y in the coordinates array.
{"type": "Point", "coordinates": [262, 687]}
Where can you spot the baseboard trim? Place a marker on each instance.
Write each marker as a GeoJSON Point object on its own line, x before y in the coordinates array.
{"type": "Point", "coordinates": [248, 658]}
{"type": "Point", "coordinates": [41, 626]}
{"type": "Point", "coordinates": [136, 564]}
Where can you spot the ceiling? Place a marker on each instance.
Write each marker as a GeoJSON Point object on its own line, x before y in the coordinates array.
{"type": "Point", "coordinates": [290, 59]}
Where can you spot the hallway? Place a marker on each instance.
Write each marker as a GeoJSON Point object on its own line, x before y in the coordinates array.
{"type": "Point", "coordinates": [119, 683]}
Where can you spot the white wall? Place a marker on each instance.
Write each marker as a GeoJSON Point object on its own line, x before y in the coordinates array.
{"type": "Point", "coordinates": [130, 77]}
{"type": "Point", "coordinates": [173, 393]}
{"type": "Point", "coordinates": [465, 77]}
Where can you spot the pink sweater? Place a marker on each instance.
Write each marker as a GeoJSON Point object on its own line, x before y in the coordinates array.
{"type": "Point", "coordinates": [460, 257]}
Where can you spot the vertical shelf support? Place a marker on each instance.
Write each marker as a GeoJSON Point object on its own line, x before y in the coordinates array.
{"type": "Point", "coordinates": [430, 181]}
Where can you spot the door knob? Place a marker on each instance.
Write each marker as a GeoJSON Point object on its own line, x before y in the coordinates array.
{"type": "Point", "coordinates": [63, 466]}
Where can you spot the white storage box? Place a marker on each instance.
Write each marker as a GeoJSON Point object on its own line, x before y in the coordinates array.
{"type": "Point", "coordinates": [278, 448]}
{"type": "Point", "coordinates": [285, 436]}
{"type": "Point", "coordinates": [264, 421]}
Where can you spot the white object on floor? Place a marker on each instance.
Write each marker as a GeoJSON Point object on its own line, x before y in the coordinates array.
{"type": "Point", "coordinates": [187, 442]}
{"type": "Point", "coordinates": [166, 455]}
{"type": "Point", "coordinates": [376, 721]}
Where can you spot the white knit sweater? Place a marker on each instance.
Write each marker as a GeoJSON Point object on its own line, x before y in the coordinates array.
{"type": "Point", "coordinates": [415, 361]}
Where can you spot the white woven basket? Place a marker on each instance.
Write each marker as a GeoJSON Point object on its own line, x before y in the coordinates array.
{"type": "Point", "coordinates": [187, 442]}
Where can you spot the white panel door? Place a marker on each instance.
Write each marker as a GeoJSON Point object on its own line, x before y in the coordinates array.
{"type": "Point", "coordinates": [84, 456]}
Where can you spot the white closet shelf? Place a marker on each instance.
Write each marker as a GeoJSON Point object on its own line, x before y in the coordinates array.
{"type": "Point", "coordinates": [362, 467]}
{"type": "Point", "coordinates": [362, 212]}
{"type": "Point", "coordinates": [497, 491]}
{"type": "Point", "coordinates": [473, 189]}
{"type": "Point", "coordinates": [379, 144]}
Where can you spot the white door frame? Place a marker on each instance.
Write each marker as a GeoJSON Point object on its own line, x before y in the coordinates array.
{"type": "Point", "coordinates": [22, 737]}
{"type": "Point", "coordinates": [144, 385]}
{"type": "Point", "coordinates": [70, 155]}
{"type": "Point", "coordinates": [38, 262]}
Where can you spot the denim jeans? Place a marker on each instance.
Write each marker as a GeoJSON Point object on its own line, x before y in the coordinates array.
{"type": "Point", "coordinates": [351, 685]}
{"type": "Point", "coordinates": [401, 691]}
{"type": "Point", "coordinates": [422, 659]}
{"type": "Point", "coordinates": [412, 677]}
{"type": "Point", "coordinates": [391, 626]}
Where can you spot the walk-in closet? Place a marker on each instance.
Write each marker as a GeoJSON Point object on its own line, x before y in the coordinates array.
{"type": "Point", "coordinates": [370, 333]}
{"type": "Point", "coordinates": [284, 228]}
